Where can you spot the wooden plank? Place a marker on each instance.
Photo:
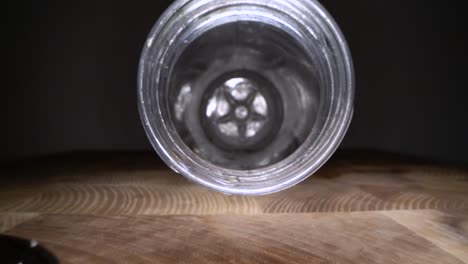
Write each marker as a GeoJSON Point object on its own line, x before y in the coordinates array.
{"type": "Point", "coordinates": [448, 231]}
{"type": "Point", "coordinates": [361, 237]}
{"type": "Point", "coordinates": [10, 220]}
{"type": "Point", "coordinates": [333, 189]}
{"type": "Point", "coordinates": [126, 210]}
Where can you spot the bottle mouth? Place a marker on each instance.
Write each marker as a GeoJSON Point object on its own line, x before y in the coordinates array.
{"type": "Point", "coordinates": [245, 97]}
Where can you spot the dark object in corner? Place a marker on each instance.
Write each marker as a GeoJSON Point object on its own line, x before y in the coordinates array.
{"type": "Point", "coordinates": [15, 250]}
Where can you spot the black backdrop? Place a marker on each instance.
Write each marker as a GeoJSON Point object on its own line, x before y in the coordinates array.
{"type": "Point", "coordinates": [72, 69]}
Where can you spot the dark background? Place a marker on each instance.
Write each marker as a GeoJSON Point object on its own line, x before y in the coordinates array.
{"type": "Point", "coordinates": [72, 68]}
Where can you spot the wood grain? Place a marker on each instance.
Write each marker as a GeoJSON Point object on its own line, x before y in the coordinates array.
{"type": "Point", "coordinates": [10, 220]}
{"type": "Point", "coordinates": [291, 238]}
{"type": "Point", "coordinates": [449, 231]}
{"type": "Point", "coordinates": [129, 210]}
{"type": "Point", "coordinates": [140, 190]}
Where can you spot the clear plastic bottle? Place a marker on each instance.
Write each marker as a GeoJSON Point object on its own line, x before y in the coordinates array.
{"type": "Point", "coordinates": [245, 96]}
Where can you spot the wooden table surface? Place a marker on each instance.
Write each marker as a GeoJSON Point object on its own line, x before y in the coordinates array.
{"type": "Point", "coordinates": [127, 208]}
